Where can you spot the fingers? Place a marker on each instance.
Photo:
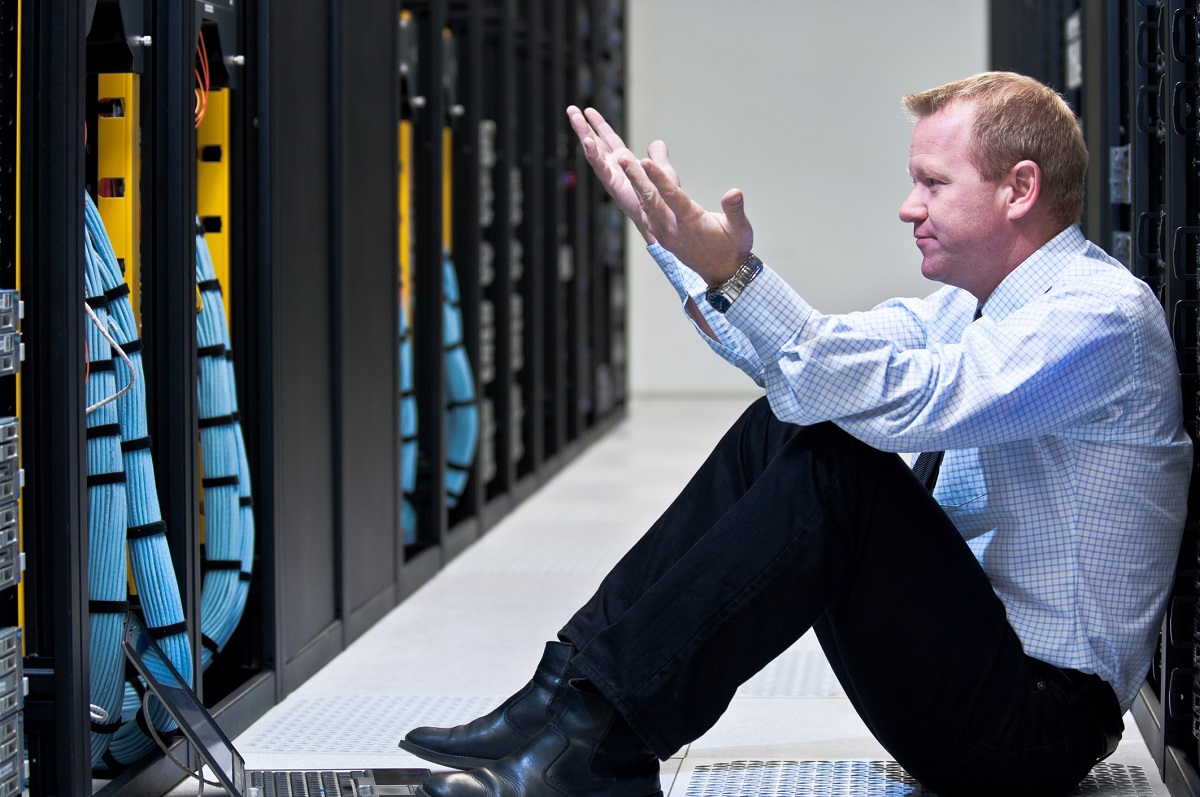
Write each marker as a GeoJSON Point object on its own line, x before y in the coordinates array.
{"type": "Point", "coordinates": [668, 189]}
{"type": "Point", "coordinates": [587, 136]}
{"type": "Point", "coordinates": [604, 130]}
{"type": "Point", "coordinates": [657, 213]}
{"type": "Point", "coordinates": [658, 154]}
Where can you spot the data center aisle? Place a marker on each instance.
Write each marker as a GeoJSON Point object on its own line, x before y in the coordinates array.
{"type": "Point", "coordinates": [474, 633]}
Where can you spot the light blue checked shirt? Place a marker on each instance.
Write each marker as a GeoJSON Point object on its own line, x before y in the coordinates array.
{"type": "Point", "coordinates": [1066, 463]}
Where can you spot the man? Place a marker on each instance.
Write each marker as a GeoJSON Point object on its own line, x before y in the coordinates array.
{"type": "Point", "coordinates": [990, 634]}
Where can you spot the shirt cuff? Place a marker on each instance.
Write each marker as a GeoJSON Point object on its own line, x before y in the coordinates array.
{"type": "Point", "coordinates": [769, 313]}
{"type": "Point", "coordinates": [685, 281]}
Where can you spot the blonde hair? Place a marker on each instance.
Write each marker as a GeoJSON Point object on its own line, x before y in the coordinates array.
{"type": "Point", "coordinates": [1017, 118]}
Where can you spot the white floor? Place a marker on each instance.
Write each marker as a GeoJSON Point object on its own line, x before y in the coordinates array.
{"type": "Point", "coordinates": [473, 635]}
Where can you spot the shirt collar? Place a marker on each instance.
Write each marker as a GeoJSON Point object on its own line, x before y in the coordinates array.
{"type": "Point", "coordinates": [1036, 275]}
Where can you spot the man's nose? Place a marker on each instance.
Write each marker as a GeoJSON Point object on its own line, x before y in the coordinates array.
{"type": "Point", "coordinates": [913, 209]}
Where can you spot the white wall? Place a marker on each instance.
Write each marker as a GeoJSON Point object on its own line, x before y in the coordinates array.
{"type": "Point", "coordinates": [797, 103]}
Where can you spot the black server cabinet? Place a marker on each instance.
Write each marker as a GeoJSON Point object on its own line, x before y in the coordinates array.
{"type": "Point", "coordinates": [310, 217]}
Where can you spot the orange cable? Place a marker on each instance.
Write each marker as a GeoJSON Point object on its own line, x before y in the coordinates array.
{"type": "Point", "coordinates": [203, 81]}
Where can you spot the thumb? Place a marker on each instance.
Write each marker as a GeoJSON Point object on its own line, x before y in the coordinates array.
{"type": "Point", "coordinates": [733, 204]}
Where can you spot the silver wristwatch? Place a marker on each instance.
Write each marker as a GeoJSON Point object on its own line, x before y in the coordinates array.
{"type": "Point", "coordinates": [722, 296]}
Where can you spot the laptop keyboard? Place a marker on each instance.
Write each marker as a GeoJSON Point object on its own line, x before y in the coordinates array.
{"type": "Point", "coordinates": [308, 784]}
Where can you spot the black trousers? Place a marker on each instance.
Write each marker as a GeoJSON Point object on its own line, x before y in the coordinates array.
{"type": "Point", "coordinates": [787, 528]}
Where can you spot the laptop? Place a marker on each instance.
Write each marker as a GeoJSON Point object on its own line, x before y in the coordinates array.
{"type": "Point", "coordinates": [218, 752]}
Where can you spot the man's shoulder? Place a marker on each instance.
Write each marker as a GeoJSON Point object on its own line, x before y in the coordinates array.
{"type": "Point", "coordinates": [1093, 271]}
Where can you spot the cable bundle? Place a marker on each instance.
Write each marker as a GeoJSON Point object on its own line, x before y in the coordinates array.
{"type": "Point", "coordinates": [408, 431]}
{"type": "Point", "coordinates": [462, 412]}
{"type": "Point", "coordinates": [108, 513]}
{"type": "Point", "coordinates": [149, 555]}
{"type": "Point", "coordinates": [228, 518]}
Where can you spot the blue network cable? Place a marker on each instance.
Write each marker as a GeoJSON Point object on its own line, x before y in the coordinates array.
{"type": "Point", "coordinates": [228, 519]}
{"type": "Point", "coordinates": [462, 409]}
{"type": "Point", "coordinates": [149, 555]}
{"type": "Point", "coordinates": [408, 431]}
{"type": "Point", "coordinates": [108, 513]}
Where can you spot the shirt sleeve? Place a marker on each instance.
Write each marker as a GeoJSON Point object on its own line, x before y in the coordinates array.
{"type": "Point", "coordinates": [731, 344]}
{"type": "Point", "coordinates": [884, 378]}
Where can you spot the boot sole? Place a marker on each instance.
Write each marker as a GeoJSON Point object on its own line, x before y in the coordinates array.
{"type": "Point", "coordinates": [445, 759]}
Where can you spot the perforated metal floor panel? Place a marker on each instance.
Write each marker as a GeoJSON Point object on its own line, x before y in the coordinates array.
{"type": "Point", "coordinates": [868, 779]}
{"type": "Point", "coordinates": [358, 723]}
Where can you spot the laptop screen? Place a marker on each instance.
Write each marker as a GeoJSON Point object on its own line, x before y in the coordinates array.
{"type": "Point", "coordinates": [184, 707]}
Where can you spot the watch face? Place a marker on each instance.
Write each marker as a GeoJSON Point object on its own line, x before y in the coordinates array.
{"type": "Point", "coordinates": [719, 301]}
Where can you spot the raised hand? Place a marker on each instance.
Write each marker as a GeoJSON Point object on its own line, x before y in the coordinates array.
{"type": "Point", "coordinates": [604, 151]}
{"type": "Point", "coordinates": [712, 244]}
{"type": "Point", "coordinates": [648, 192]}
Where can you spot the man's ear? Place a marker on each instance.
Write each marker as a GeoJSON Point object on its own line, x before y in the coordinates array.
{"type": "Point", "coordinates": [1024, 181]}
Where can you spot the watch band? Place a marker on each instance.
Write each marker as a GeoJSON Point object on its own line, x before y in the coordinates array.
{"type": "Point", "coordinates": [721, 297]}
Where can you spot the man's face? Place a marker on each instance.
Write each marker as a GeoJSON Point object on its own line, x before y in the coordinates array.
{"type": "Point", "coordinates": [959, 219]}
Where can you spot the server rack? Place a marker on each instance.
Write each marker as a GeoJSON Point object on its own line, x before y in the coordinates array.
{"type": "Point", "coordinates": [1130, 70]}
{"type": "Point", "coordinates": [304, 210]}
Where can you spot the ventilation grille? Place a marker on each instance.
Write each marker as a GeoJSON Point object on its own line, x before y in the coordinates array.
{"type": "Point", "coordinates": [868, 779]}
{"type": "Point", "coordinates": [357, 723]}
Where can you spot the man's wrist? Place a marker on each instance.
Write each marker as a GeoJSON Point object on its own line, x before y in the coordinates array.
{"type": "Point", "coordinates": [722, 296]}
{"type": "Point", "coordinates": [727, 275]}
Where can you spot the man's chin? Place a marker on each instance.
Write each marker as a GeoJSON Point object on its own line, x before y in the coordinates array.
{"type": "Point", "coordinates": [931, 271]}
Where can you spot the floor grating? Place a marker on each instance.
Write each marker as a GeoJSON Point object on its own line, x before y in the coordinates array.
{"type": "Point", "coordinates": [869, 779]}
{"type": "Point", "coordinates": [357, 723]}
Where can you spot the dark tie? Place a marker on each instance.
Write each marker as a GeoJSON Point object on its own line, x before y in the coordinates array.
{"type": "Point", "coordinates": [930, 462]}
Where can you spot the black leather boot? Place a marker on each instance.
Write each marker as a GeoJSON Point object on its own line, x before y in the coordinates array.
{"type": "Point", "coordinates": [502, 730]}
{"type": "Point", "coordinates": [587, 750]}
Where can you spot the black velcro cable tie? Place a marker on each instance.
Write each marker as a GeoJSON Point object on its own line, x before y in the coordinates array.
{"type": "Point", "coordinates": [164, 631]}
{"type": "Point", "coordinates": [132, 347]}
{"type": "Point", "coordinates": [218, 420]}
{"type": "Point", "coordinates": [111, 763]}
{"type": "Point", "coordinates": [246, 500]}
{"type": "Point", "coordinates": [116, 293]}
{"type": "Point", "coordinates": [101, 479]}
{"type": "Point", "coordinates": [209, 285]}
{"type": "Point", "coordinates": [147, 530]}
{"type": "Point", "coordinates": [221, 564]}
{"type": "Point", "coordinates": [106, 728]}
{"type": "Point", "coordinates": [211, 351]}
{"type": "Point", "coordinates": [459, 405]}
{"type": "Point", "coordinates": [408, 438]}
{"type": "Point", "coordinates": [135, 445]}
{"type": "Point", "coordinates": [245, 576]}
{"type": "Point", "coordinates": [108, 607]}
{"type": "Point", "coordinates": [460, 468]}
{"type": "Point", "coordinates": [208, 642]}
{"type": "Point", "coordinates": [96, 302]}
{"type": "Point", "coordinates": [221, 481]}
{"type": "Point", "coordinates": [104, 430]}
{"type": "Point", "coordinates": [96, 366]}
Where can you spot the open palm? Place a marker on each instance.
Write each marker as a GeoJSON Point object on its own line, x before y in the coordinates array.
{"type": "Point", "coordinates": [713, 244]}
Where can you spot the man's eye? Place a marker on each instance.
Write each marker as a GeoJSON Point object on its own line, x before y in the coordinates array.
{"type": "Point", "coordinates": [931, 182]}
